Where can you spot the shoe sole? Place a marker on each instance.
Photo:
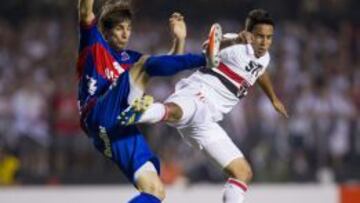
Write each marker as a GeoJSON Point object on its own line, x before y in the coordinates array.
{"type": "Point", "coordinates": [215, 36]}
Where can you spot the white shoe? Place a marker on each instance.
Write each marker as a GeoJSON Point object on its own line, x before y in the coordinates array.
{"type": "Point", "coordinates": [213, 47]}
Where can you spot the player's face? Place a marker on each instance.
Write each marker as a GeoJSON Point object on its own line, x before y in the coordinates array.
{"type": "Point", "coordinates": [118, 37]}
{"type": "Point", "coordinates": [263, 34]}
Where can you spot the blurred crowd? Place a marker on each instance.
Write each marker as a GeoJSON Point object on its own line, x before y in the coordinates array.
{"type": "Point", "coordinates": [315, 69]}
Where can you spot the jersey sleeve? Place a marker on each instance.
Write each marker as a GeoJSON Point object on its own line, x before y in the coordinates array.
{"type": "Point", "coordinates": [89, 35]}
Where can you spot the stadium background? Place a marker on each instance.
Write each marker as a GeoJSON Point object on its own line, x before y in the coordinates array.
{"type": "Point", "coordinates": [315, 69]}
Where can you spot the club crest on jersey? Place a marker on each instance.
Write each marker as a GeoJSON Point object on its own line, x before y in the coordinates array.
{"type": "Point", "coordinates": [125, 56]}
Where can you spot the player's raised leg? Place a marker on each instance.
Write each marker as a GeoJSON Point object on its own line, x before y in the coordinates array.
{"type": "Point", "coordinates": [166, 65]}
{"type": "Point", "coordinates": [143, 111]}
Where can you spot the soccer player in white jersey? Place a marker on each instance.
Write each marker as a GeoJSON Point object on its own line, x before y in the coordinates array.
{"type": "Point", "coordinates": [201, 100]}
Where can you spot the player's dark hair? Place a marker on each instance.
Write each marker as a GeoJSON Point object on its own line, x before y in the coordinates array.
{"type": "Point", "coordinates": [113, 13]}
{"type": "Point", "coordinates": [258, 16]}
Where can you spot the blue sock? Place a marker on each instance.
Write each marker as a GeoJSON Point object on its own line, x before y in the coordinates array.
{"type": "Point", "coordinates": [166, 65]}
{"type": "Point", "coordinates": [145, 198]}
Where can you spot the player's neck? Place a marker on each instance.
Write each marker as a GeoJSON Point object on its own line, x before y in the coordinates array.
{"type": "Point", "coordinates": [258, 55]}
{"type": "Point", "coordinates": [117, 49]}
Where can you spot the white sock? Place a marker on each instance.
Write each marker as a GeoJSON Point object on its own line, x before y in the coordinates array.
{"type": "Point", "coordinates": [155, 113]}
{"type": "Point", "coordinates": [234, 191]}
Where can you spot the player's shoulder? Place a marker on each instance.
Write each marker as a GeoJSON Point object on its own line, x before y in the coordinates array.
{"type": "Point", "coordinates": [235, 50]}
{"type": "Point", "coordinates": [133, 53]}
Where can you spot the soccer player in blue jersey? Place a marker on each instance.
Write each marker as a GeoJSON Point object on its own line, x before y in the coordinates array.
{"type": "Point", "coordinates": [111, 77]}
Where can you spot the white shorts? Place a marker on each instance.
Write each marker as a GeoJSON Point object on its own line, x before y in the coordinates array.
{"type": "Point", "coordinates": [199, 126]}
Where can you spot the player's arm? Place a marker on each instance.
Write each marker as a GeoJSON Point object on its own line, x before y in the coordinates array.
{"type": "Point", "coordinates": [178, 32]}
{"type": "Point", "coordinates": [266, 85]}
{"type": "Point", "coordinates": [86, 12]}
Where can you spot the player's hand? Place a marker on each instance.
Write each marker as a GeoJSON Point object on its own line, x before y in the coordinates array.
{"type": "Point", "coordinates": [279, 107]}
{"type": "Point", "coordinates": [245, 37]}
{"type": "Point", "coordinates": [177, 26]}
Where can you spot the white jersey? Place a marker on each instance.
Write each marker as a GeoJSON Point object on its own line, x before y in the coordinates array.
{"type": "Point", "coordinates": [239, 65]}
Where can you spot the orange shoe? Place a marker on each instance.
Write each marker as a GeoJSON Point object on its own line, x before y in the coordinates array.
{"type": "Point", "coordinates": [213, 47]}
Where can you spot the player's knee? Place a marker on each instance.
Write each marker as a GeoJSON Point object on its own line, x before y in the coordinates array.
{"type": "Point", "coordinates": [240, 169]}
{"type": "Point", "coordinates": [175, 113]}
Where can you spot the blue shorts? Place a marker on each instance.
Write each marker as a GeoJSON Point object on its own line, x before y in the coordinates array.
{"type": "Point", "coordinates": [125, 145]}
{"type": "Point", "coordinates": [129, 152]}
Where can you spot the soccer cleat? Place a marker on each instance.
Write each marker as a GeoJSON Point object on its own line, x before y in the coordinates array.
{"type": "Point", "coordinates": [133, 113]}
{"type": "Point", "coordinates": [213, 47]}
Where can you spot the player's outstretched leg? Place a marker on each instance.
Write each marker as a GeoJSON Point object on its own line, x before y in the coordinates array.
{"type": "Point", "coordinates": [213, 47]}
{"type": "Point", "coordinates": [133, 113]}
{"type": "Point", "coordinates": [159, 65]}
